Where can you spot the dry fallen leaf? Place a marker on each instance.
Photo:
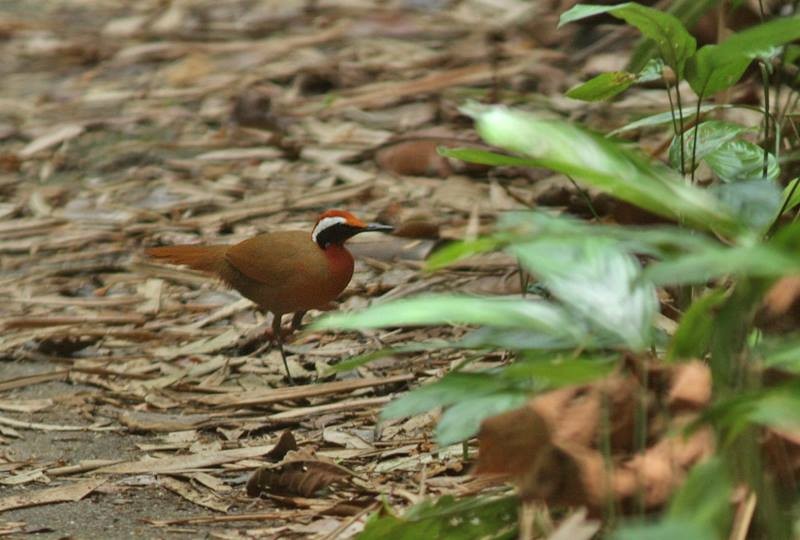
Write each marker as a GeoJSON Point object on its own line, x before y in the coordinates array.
{"type": "Point", "coordinates": [299, 473]}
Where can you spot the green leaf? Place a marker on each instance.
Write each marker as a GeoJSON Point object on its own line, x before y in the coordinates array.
{"type": "Point", "coordinates": [458, 250]}
{"type": "Point", "coordinates": [779, 408]}
{"type": "Point", "coordinates": [755, 202]}
{"type": "Point", "coordinates": [716, 67]}
{"type": "Point", "coordinates": [453, 388]}
{"type": "Point", "coordinates": [525, 339]}
{"type": "Point", "coordinates": [442, 309]}
{"type": "Point", "coordinates": [707, 72]}
{"type": "Point", "coordinates": [791, 194]}
{"type": "Point", "coordinates": [675, 44]}
{"type": "Point", "coordinates": [656, 241]}
{"type": "Point", "coordinates": [783, 354]}
{"type": "Point", "coordinates": [463, 420]}
{"type": "Point", "coordinates": [667, 529]}
{"type": "Point", "coordinates": [756, 261]}
{"type": "Point", "coordinates": [699, 511]}
{"type": "Point", "coordinates": [687, 11]}
{"type": "Point", "coordinates": [481, 516]}
{"type": "Point", "coordinates": [597, 281]}
{"type": "Point", "coordinates": [774, 407]}
{"type": "Point", "coordinates": [704, 499]}
{"type": "Point", "coordinates": [596, 161]}
{"type": "Point", "coordinates": [711, 135]}
{"type": "Point", "coordinates": [603, 87]}
{"type": "Point", "coordinates": [550, 371]}
{"type": "Point", "coordinates": [739, 161]}
{"type": "Point", "coordinates": [664, 118]}
{"type": "Point", "coordinates": [693, 336]}
{"type": "Point", "coordinates": [484, 157]}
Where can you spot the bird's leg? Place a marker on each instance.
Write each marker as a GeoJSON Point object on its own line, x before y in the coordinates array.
{"type": "Point", "coordinates": [297, 320]}
{"type": "Point", "coordinates": [278, 337]}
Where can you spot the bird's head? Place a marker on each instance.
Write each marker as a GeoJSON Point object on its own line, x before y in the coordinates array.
{"type": "Point", "coordinates": [334, 227]}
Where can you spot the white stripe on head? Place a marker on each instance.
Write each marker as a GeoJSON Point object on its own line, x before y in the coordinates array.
{"type": "Point", "coordinates": [326, 223]}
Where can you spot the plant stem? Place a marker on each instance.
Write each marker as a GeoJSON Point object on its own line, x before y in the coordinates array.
{"type": "Point", "coordinates": [765, 82]}
{"type": "Point", "coordinates": [585, 197]}
{"type": "Point", "coordinates": [680, 123]}
{"type": "Point", "coordinates": [694, 137]}
{"type": "Point", "coordinates": [672, 112]}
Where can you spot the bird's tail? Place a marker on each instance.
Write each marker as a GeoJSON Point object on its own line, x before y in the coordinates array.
{"type": "Point", "coordinates": [210, 259]}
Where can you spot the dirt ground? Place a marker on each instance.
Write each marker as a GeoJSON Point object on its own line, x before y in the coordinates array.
{"type": "Point", "coordinates": [133, 400]}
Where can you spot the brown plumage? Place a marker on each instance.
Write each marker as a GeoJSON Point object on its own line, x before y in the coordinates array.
{"type": "Point", "coordinates": [283, 272]}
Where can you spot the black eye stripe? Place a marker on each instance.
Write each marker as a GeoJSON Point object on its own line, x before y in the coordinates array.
{"type": "Point", "coordinates": [336, 234]}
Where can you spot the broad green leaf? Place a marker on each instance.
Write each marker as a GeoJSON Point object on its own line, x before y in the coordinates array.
{"type": "Point", "coordinates": [451, 389]}
{"type": "Point", "coordinates": [791, 194]}
{"type": "Point", "coordinates": [783, 354]}
{"type": "Point", "coordinates": [739, 161]}
{"type": "Point", "coordinates": [484, 157]}
{"type": "Point", "coordinates": [665, 118]}
{"type": "Point", "coordinates": [657, 241]}
{"type": "Point", "coordinates": [667, 529]}
{"type": "Point", "coordinates": [687, 11]}
{"type": "Point", "coordinates": [779, 408]}
{"type": "Point", "coordinates": [463, 420]}
{"type": "Point", "coordinates": [526, 339]}
{"type": "Point", "coordinates": [704, 499]}
{"type": "Point", "coordinates": [755, 261]}
{"type": "Point", "coordinates": [755, 202]}
{"type": "Point", "coordinates": [716, 67]}
{"type": "Point", "coordinates": [597, 281]}
{"type": "Point", "coordinates": [708, 72]}
{"type": "Point", "coordinates": [596, 161]}
{"type": "Point", "coordinates": [711, 135]}
{"type": "Point", "coordinates": [553, 371]}
{"type": "Point", "coordinates": [674, 42]}
{"type": "Point", "coordinates": [775, 407]}
{"type": "Point", "coordinates": [700, 510]}
{"type": "Point", "coordinates": [458, 250]}
{"type": "Point", "coordinates": [442, 309]}
{"type": "Point", "coordinates": [481, 516]}
{"type": "Point", "coordinates": [693, 336]}
{"type": "Point", "coordinates": [602, 87]}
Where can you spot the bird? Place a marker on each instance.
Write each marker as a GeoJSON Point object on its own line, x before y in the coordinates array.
{"type": "Point", "coordinates": [282, 272]}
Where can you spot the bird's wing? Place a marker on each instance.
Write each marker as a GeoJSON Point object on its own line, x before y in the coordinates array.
{"type": "Point", "coordinates": [265, 258]}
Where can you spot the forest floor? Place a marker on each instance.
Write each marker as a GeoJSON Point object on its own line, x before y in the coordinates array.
{"type": "Point", "coordinates": [132, 403]}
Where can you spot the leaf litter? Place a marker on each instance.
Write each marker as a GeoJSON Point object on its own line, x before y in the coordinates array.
{"type": "Point", "coordinates": [124, 381]}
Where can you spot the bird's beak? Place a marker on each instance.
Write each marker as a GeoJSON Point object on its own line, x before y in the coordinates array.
{"type": "Point", "coordinates": [378, 227]}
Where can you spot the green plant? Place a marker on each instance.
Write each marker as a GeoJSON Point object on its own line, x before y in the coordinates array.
{"type": "Point", "coordinates": [726, 246]}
